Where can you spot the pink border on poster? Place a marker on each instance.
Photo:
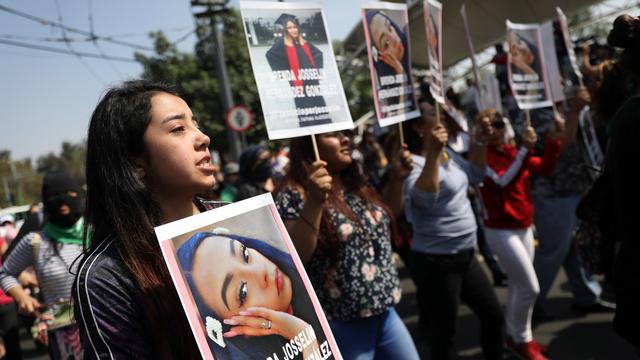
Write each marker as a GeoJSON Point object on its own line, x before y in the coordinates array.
{"type": "Point", "coordinates": [543, 68]}
{"type": "Point", "coordinates": [305, 279]}
{"type": "Point", "coordinates": [188, 303]}
{"type": "Point", "coordinates": [394, 119]}
{"type": "Point", "coordinates": [426, 10]}
{"type": "Point", "coordinates": [566, 35]}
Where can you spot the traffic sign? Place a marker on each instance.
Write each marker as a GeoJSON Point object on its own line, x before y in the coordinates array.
{"type": "Point", "coordinates": [239, 118]}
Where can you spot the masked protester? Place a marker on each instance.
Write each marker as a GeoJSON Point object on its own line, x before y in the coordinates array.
{"type": "Point", "coordinates": [255, 172]}
{"type": "Point", "coordinates": [51, 252]}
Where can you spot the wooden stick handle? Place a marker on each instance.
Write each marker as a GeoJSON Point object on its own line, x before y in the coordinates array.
{"type": "Point", "coordinates": [315, 147]}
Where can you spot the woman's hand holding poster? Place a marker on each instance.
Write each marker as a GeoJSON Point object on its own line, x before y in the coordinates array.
{"type": "Point", "coordinates": [386, 28]}
{"type": "Point", "coordinates": [295, 70]}
{"type": "Point", "coordinates": [527, 74]}
{"type": "Point", "coordinates": [433, 26]}
{"type": "Point", "coordinates": [244, 289]}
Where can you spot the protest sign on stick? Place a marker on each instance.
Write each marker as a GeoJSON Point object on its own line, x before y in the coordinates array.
{"type": "Point", "coordinates": [243, 288]}
{"type": "Point", "coordinates": [386, 28]}
{"type": "Point", "coordinates": [526, 66]}
{"type": "Point", "coordinates": [566, 36]}
{"type": "Point", "coordinates": [589, 139]}
{"type": "Point", "coordinates": [433, 26]}
{"type": "Point", "coordinates": [295, 70]}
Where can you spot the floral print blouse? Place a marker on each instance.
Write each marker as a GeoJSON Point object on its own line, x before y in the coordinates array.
{"type": "Point", "coordinates": [360, 280]}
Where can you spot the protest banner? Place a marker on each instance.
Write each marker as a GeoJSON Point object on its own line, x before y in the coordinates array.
{"type": "Point", "coordinates": [243, 288]}
{"type": "Point", "coordinates": [295, 70]}
{"type": "Point", "coordinates": [589, 139]}
{"type": "Point", "coordinates": [566, 36]}
{"type": "Point", "coordinates": [551, 62]}
{"type": "Point", "coordinates": [490, 94]}
{"type": "Point", "coordinates": [386, 28]}
{"type": "Point", "coordinates": [433, 27]}
{"type": "Point", "coordinates": [526, 70]}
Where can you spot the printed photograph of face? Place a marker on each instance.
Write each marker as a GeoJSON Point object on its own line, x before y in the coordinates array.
{"type": "Point", "coordinates": [524, 54]}
{"type": "Point", "coordinates": [433, 18]}
{"type": "Point", "coordinates": [526, 68]}
{"type": "Point", "coordinates": [250, 298]}
{"type": "Point", "coordinates": [390, 57]}
{"type": "Point", "coordinates": [294, 67]}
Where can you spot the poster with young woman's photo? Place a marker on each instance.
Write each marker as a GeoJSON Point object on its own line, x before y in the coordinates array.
{"type": "Point", "coordinates": [568, 43]}
{"type": "Point", "coordinates": [295, 70]}
{"type": "Point", "coordinates": [242, 285]}
{"type": "Point", "coordinates": [433, 25]}
{"type": "Point", "coordinates": [386, 29]}
{"type": "Point", "coordinates": [527, 74]}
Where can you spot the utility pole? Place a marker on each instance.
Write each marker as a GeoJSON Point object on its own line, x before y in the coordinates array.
{"type": "Point", "coordinates": [214, 8]}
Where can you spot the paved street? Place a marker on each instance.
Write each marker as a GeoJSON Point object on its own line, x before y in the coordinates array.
{"type": "Point", "coordinates": [569, 337]}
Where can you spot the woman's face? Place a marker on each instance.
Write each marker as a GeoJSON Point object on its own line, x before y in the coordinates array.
{"type": "Point", "coordinates": [176, 157]}
{"type": "Point", "coordinates": [385, 37]}
{"type": "Point", "coordinates": [231, 277]}
{"type": "Point", "coordinates": [499, 126]}
{"type": "Point", "coordinates": [292, 30]}
{"type": "Point", "coordinates": [335, 149]}
{"type": "Point", "coordinates": [520, 52]}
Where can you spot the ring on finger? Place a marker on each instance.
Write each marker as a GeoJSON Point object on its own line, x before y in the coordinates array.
{"type": "Point", "coordinates": [266, 325]}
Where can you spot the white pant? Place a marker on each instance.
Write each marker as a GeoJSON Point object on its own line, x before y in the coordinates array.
{"type": "Point", "coordinates": [514, 249]}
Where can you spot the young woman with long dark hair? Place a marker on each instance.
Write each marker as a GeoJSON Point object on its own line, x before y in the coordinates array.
{"type": "Point", "coordinates": [342, 231]}
{"type": "Point", "coordinates": [146, 161]}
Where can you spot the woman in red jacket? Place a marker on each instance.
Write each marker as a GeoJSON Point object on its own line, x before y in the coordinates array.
{"type": "Point", "coordinates": [506, 194]}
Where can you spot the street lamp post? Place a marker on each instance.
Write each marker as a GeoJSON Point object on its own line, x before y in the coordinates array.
{"type": "Point", "coordinates": [213, 8]}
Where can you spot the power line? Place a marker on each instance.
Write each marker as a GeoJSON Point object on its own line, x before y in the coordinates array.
{"type": "Point", "coordinates": [66, 52]}
{"type": "Point", "coordinates": [68, 44]}
{"type": "Point", "coordinates": [73, 30]}
{"type": "Point", "coordinates": [93, 37]}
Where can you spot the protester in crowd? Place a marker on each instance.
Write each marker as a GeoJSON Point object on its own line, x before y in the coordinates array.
{"type": "Point", "coordinates": [342, 231]}
{"type": "Point", "coordinates": [52, 253]}
{"type": "Point", "coordinates": [125, 302]}
{"type": "Point", "coordinates": [444, 235]}
{"type": "Point", "coordinates": [229, 190]}
{"type": "Point", "coordinates": [255, 172]}
{"type": "Point", "coordinates": [469, 101]}
{"type": "Point", "coordinates": [9, 322]}
{"type": "Point", "coordinates": [621, 185]}
{"type": "Point", "coordinates": [508, 205]}
{"type": "Point", "coordinates": [373, 157]}
{"type": "Point", "coordinates": [555, 200]}
{"type": "Point", "coordinates": [269, 307]}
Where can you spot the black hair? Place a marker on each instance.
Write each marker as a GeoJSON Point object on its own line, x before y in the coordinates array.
{"type": "Point", "coordinates": [120, 208]}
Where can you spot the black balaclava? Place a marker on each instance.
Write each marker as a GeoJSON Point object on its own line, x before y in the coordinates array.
{"type": "Point", "coordinates": [55, 188]}
{"type": "Point", "coordinates": [251, 167]}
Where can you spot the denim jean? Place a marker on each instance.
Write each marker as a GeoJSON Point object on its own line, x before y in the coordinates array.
{"type": "Point", "coordinates": [377, 337]}
{"type": "Point", "coordinates": [555, 222]}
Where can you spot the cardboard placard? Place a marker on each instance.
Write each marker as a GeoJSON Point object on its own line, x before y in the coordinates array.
{"type": "Point", "coordinates": [295, 70]}
{"type": "Point", "coordinates": [386, 28]}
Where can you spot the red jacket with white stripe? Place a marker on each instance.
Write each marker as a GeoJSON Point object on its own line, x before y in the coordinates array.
{"type": "Point", "coordinates": [506, 189]}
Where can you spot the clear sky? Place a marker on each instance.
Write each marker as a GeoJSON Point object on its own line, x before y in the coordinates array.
{"type": "Point", "coordinates": [47, 98]}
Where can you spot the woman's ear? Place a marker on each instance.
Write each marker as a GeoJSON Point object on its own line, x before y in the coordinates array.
{"type": "Point", "coordinates": [139, 168]}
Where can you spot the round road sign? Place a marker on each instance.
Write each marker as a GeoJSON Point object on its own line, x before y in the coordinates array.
{"type": "Point", "coordinates": [239, 118]}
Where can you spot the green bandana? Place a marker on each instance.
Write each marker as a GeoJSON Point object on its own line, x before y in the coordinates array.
{"type": "Point", "coordinates": [72, 235]}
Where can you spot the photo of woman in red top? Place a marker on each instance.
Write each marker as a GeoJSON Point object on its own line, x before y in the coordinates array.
{"type": "Point", "coordinates": [506, 194]}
